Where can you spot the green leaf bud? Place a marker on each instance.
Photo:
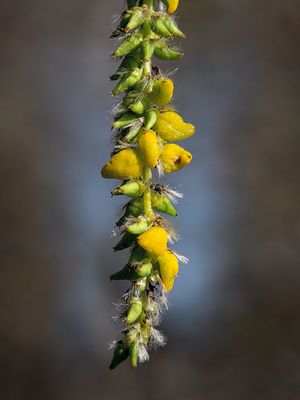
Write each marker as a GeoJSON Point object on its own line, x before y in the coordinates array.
{"type": "Point", "coordinates": [150, 119]}
{"type": "Point", "coordinates": [147, 49]}
{"type": "Point", "coordinates": [127, 81]}
{"type": "Point", "coordinates": [138, 227]}
{"type": "Point", "coordinates": [134, 130]}
{"type": "Point", "coordinates": [125, 121]}
{"type": "Point", "coordinates": [128, 45]}
{"type": "Point", "coordinates": [137, 18]}
{"type": "Point", "coordinates": [125, 17]}
{"type": "Point", "coordinates": [139, 107]}
{"type": "Point", "coordinates": [144, 270]}
{"type": "Point", "coordinates": [172, 26]}
{"type": "Point", "coordinates": [131, 61]}
{"type": "Point", "coordinates": [135, 310]}
{"type": "Point", "coordinates": [161, 203]}
{"type": "Point", "coordinates": [121, 71]}
{"type": "Point", "coordinates": [131, 189]}
{"type": "Point", "coordinates": [164, 52]}
{"type": "Point", "coordinates": [159, 27]}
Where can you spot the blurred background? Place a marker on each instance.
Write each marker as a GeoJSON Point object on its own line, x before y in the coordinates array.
{"type": "Point", "coordinates": [234, 323]}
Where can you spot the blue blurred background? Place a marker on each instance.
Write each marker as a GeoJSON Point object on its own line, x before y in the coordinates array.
{"type": "Point", "coordinates": [233, 326]}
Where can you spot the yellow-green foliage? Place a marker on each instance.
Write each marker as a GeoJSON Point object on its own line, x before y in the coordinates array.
{"type": "Point", "coordinates": [146, 126]}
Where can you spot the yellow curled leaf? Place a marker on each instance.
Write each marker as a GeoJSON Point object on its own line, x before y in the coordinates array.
{"type": "Point", "coordinates": [123, 165]}
{"type": "Point", "coordinates": [171, 127]}
{"type": "Point", "coordinates": [162, 92]}
{"type": "Point", "coordinates": [148, 148]}
{"type": "Point", "coordinates": [172, 117]}
{"type": "Point", "coordinates": [154, 241]}
{"type": "Point", "coordinates": [168, 265]}
{"type": "Point", "coordinates": [173, 158]}
{"type": "Point", "coordinates": [172, 6]}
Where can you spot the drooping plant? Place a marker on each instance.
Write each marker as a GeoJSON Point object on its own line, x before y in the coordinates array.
{"type": "Point", "coordinates": [145, 126]}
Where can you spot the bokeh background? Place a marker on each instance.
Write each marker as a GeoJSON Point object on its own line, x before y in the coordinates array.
{"type": "Point", "coordinates": [234, 322]}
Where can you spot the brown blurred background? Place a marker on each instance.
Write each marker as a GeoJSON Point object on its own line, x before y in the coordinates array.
{"type": "Point", "coordinates": [234, 322]}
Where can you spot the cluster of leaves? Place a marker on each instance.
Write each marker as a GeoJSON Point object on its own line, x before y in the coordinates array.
{"type": "Point", "coordinates": [145, 124]}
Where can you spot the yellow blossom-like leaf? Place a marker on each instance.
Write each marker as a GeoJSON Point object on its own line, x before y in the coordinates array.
{"type": "Point", "coordinates": [123, 165]}
{"type": "Point", "coordinates": [162, 92]}
{"type": "Point", "coordinates": [171, 127]}
{"type": "Point", "coordinates": [154, 241]}
{"type": "Point", "coordinates": [172, 5]}
{"type": "Point", "coordinates": [148, 148]}
{"type": "Point", "coordinates": [168, 265]}
{"type": "Point", "coordinates": [173, 158]}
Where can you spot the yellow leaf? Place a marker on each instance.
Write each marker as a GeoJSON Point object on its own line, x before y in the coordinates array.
{"type": "Point", "coordinates": [123, 165]}
{"type": "Point", "coordinates": [168, 264]}
{"type": "Point", "coordinates": [154, 241]}
{"type": "Point", "coordinates": [173, 158]}
{"type": "Point", "coordinates": [148, 148]}
{"type": "Point", "coordinates": [172, 6]}
{"type": "Point", "coordinates": [162, 92]}
{"type": "Point", "coordinates": [171, 127]}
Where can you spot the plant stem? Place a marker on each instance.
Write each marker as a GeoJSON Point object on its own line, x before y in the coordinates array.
{"type": "Point", "coordinates": [147, 194]}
